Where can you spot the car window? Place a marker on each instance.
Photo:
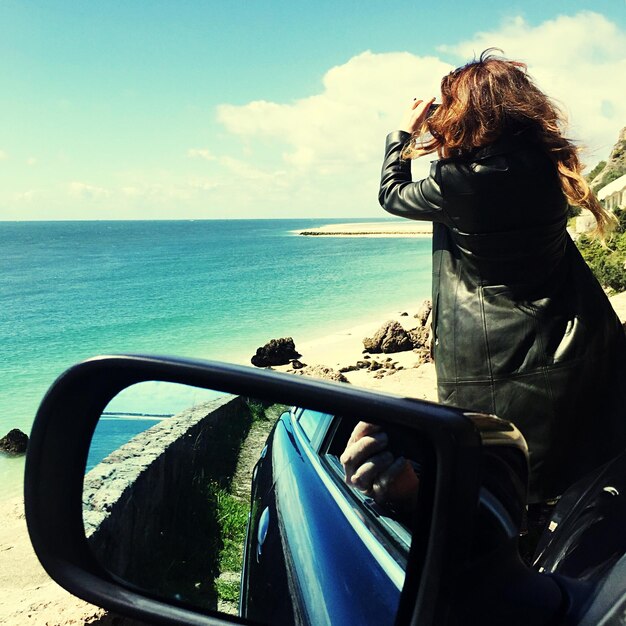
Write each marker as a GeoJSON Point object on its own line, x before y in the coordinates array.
{"type": "Point", "coordinates": [391, 527]}
{"type": "Point", "coordinates": [326, 436]}
{"type": "Point", "coordinates": [314, 425]}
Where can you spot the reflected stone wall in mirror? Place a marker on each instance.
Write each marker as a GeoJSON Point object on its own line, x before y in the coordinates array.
{"type": "Point", "coordinates": [162, 477]}
{"type": "Point", "coordinates": [175, 476]}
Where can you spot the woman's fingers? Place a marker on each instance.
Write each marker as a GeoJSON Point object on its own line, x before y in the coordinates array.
{"type": "Point", "coordinates": [365, 475]}
{"type": "Point", "coordinates": [365, 441]}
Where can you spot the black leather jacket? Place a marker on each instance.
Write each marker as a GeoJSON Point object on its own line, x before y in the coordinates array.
{"type": "Point", "coordinates": [522, 328]}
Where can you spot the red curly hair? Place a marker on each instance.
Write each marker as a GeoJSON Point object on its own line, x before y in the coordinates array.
{"type": "Point", "coordinates": [492, 96]}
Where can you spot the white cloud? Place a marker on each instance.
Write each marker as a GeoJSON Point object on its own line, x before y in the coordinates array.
{"type": "Point", "coordinates": [168, 190]}
{"type": "Point", "coordinates": [579, 60]}
{"type": "Point", "coordinates": [325, 149]}
{"type": "Point", "coordinates": [84, 191]}
{"type": "Point", "coordinates": [200, 153]}
{"type": "Point", "coordinates": [201, 184]}
{"type": "Point", "coordinates": [321, 154]}
{"type": "Point", "coordinates": [26, 196]}
{"type": "Point", "coordinates": [360, 101]}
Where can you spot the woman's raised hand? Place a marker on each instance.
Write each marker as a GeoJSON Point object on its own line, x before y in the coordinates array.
{"type": "Point", "coordinates": [416, 115]}
{"type": "Point", "coordinates": [373, 469]}
{"type": "Point", "coordinates": [365, 456]}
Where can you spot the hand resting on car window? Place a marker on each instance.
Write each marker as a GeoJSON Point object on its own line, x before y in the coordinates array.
{"type": "Point", "coordinates": [372, 468]}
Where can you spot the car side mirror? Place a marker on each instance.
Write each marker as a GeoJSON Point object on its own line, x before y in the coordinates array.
{"type": "Point", "coordinates": [179, 491]}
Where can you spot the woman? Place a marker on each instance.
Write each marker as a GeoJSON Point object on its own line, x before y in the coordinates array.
{"type": "Point", "coordinates": [521, 327]}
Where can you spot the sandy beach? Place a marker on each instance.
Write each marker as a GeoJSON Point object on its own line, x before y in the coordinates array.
{"type": "Point", "coordinates": [30, 597]}
{"type": "Point", "coordinates": [345, 348]}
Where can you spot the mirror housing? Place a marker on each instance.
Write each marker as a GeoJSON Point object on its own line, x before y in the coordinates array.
{"type": "Point", "coordinates": [444, 534]}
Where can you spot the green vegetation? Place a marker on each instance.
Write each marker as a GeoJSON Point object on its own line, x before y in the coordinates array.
{"type": "Point", "coordinates": [184, 554]}
{"type": "Point", "coordinates": [230, 497]}
{"type": "Point", "coordinates": [190, 543]}
{"type": "Point", "coordinates": [607, 261]}
{"type": "Point", "coordinates": [257, 409]}
{"type": "Point", "coordinates": [607, 171]}
{"type": "Point", "coordinates": [228, 590]}
{"type": "Point", "coordinates": [595, 171]}
{"type": "Point", "coordinates": [609, 177]}
{"type": "Point", "coordinates": [232, 517]}
{"type": "Point", "coordinates": [193, 510]}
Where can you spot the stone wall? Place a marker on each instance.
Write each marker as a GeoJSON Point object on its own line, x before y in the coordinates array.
{"type": "Point", "coordinates": [147, 507]}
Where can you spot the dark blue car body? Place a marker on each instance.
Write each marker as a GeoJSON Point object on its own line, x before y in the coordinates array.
{"type": "Point", "coordinates": [316, 548]}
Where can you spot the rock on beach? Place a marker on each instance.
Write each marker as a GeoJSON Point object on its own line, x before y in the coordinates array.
{"type": "Point", "coordinates": [14, 442]}
{"type": "Point", "coordinates": [275, 352]}
{"type": "Point", "coordinates": [390, 337]}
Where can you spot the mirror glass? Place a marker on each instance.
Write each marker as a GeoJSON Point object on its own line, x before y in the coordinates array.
{"type": "Point", "coordinates": [227, 503]}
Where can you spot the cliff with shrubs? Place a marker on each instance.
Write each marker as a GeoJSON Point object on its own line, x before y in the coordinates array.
{"type": "Point", "coordinates": [608, 260]}
{"type": "Point", "coordinates": [606, 172]}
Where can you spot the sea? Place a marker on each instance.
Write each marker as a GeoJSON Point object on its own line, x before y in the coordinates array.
{"type": "Point", "coordinates": [214, 289]}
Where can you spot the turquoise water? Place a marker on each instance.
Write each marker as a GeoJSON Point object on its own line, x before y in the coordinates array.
{"type": "Point", "coordinates": [210, 289]}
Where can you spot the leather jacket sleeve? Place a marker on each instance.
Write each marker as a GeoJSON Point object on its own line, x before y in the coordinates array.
{"type": "Point", "coordinates": [401, 196]}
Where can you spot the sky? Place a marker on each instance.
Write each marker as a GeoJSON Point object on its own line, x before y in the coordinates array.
{"type": "Point", "coordinates": [261, 108]}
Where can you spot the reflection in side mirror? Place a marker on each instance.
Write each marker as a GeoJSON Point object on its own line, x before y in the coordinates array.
{"type": "Point", "coordinates": [164, 508]}
{"type": "Point", "coordinates": [224, 502]}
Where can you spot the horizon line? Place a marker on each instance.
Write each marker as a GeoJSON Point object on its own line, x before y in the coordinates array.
{"type": "Point", "coordinates": [201, 219]}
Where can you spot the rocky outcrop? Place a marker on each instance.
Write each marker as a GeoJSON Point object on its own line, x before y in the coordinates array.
{"type": "Point", "coordinates": [422, 338]}
{"type": "Point", "coordinates": [276, 352]}
{"type": "Point", "coordinates": [615, 166]}
{"type": "Point", "coordinates": [382, 368]}
{"type": "Point", "coordinates": [424, 312]}
{"type": "Point", "coordinates": [14, 442]}
{"type": "Point", "coordinates": [390, 337]}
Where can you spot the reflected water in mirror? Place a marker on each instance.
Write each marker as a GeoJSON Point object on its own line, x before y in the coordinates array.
{"type": "Point", "coordinates": [227, 503]}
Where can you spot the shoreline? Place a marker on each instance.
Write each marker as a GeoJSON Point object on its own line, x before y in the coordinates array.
{"type": "Point", "coordinates": [398, 234]}
{"type": "Point", "coordinates": [406, 228]}
{"type": "Point", "coordinates": [344, 348]}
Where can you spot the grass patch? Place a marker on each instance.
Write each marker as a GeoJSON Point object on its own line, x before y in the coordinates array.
{"type": "Point", "coordinates": [227, 590]}
{"type": "Point", "coordinates": [233, 503]}
{"type": "Point", "coordinates": [263, 412]}
{"type": "Point", "coordinates": [257, 410]}
{"type": "Point", "coordinates": [232, 518]}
